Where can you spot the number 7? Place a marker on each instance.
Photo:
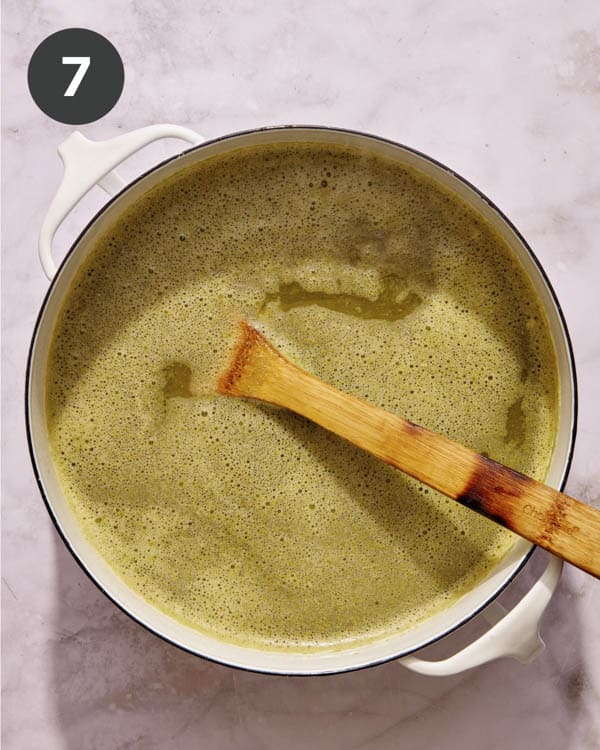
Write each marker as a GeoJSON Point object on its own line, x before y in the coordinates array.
{"type": "Point", "coordinates": [84, 64]}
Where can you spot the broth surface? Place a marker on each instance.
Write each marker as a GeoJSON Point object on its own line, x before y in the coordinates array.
{"type": "Point", "coordinates": [247, 521]}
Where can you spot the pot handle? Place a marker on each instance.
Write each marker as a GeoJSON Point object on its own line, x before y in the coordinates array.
{"type": "Point", "coordinates": [87, 163]}
{"type": "Point", "coordinates": [514, 633]}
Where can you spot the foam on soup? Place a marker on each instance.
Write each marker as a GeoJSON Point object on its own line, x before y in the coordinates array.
{"type": "Point", "coordinates": [246, 521]}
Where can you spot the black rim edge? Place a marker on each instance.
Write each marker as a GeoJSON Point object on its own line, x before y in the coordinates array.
{"type": "Point", "coordinates": [197, 147]}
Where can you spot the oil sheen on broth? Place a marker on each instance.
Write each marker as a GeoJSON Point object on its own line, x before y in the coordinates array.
{"type": "Point", "coordinates": [247, 521]}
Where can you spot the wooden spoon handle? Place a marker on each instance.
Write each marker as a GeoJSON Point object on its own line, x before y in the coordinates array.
{"type": "Point", "coordinates": [545, 516]}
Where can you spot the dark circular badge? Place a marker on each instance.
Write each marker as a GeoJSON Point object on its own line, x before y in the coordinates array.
{"type": "Point", "coordinates": [75, 76]}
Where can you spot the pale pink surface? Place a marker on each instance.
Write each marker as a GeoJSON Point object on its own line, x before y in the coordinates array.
{"type": "Point", "coordinates": [510, 97]}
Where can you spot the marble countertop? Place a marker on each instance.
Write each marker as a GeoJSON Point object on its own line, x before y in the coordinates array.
{"type": "Point", "coordinates": [508, 94]}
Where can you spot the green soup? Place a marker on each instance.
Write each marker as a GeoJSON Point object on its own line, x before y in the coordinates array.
{"type": "Point", "coordinates": [246, 521]}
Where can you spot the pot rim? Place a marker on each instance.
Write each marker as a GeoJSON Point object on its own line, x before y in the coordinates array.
{"type": "Point", "coordinates": [267, 129]}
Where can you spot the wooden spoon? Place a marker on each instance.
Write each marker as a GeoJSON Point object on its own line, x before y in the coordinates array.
{"type": "Point", "coordinates": [545, 516]}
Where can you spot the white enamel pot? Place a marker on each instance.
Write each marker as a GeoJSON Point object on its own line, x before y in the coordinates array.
{"type": "Point", "coordinates": [513, 633]}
